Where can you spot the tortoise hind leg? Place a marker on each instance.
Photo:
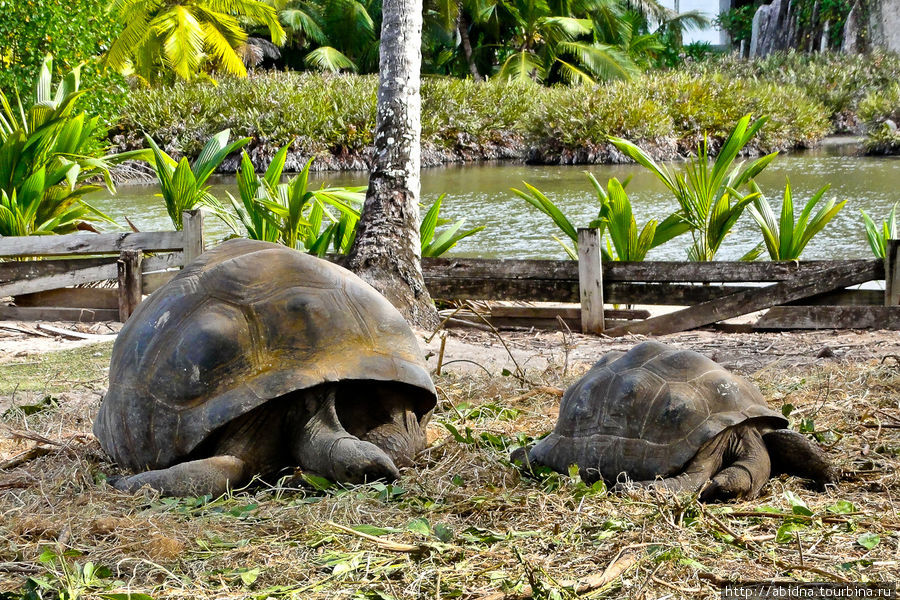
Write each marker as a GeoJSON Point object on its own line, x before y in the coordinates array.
{"type": "Point", "coordinates": [211, 476]}
{"type": "Point", "coordinates": [747, 466]}
{"type": "Point", "coordinates": [794, 453]}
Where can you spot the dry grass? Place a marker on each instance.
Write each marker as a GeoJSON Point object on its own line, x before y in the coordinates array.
{"type": "Point", "coordinates": [462, 525]}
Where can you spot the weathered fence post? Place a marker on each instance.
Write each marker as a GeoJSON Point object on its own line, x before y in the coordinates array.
{"type": "Point", "coordinates": [128, 269]}
{"type": "Point", "coordinates": [892, 272]}
{"type": "Point", "coordinates": [590, 280]}
{"type": "Point", "coordinates": [194, 244]}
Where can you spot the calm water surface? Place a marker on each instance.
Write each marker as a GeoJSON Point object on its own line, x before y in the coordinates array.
{"type": "Point", "coordinates": [514, 229]}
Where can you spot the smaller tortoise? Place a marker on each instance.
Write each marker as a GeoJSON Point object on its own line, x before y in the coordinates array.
{"type": "Point", "coordinates": [257, 358]}
{"type": "Point", "coordinates": [673, 419]}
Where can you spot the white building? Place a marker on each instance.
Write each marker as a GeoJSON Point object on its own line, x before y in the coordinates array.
{"type": "Point", "coordinates": [711, 9]}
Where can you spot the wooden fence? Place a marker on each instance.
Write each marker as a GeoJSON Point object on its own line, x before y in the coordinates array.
{"type": "Point", "coordinates": [807, 294]}
{"type": "Point", "coordinates": [139, 263]}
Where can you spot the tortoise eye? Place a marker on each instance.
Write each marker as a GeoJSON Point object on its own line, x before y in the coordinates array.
{"type": "Point", "coordinates": [204, 354]}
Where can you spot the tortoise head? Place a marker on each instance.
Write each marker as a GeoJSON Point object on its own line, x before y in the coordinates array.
{"type": "Point", "coordinates": [385, 414]}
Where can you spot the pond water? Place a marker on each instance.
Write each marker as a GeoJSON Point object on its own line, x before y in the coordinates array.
{"type": "Point", "coordinates": [514, 229]}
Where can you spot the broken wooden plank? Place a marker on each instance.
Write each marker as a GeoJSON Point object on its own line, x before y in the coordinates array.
{"type": "Point", "coordinates": [19, 270]}
{"type": "Point", "coordinates": [812, 282]}
{"type": "Point", "coordinates": [104, 243]}
{"type": "Point", "coordinates": [647, 271]}
{"type": "Point", "coordinates": [130, 282]}
{"type": "Point", "coordinates": [78, 315]}
{"type": "Point", "coordinates": [892, 272]}
{"type": "Point", "coordinates": [71, 298]}
{"type": "Point", "coordinates": [85, 275]}
{"type": "Point", "coordinates": [194, 242]}
{"type": "Point", "coordinates": [829, 317]}
{"type": "Point", "coordinates": [77, 335]}
{"type": "Point", "coordinates": [565, 312]}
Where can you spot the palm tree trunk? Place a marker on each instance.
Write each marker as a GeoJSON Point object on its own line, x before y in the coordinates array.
{"type": "Point", "coordinates": [387, 252]}
{"type": "Point", "coordinates": [462, 25]}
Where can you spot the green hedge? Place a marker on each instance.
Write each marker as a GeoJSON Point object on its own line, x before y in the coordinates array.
{"type": "Point", "coordinates": [839, 81]}
{"type": "Point", "coordinates": [336, 114]}
{"type": "Point", "coordinates": [75, 32]}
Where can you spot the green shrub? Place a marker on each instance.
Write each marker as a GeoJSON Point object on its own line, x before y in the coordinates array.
{"type": "Point", "coordinates": [74, 32]}
{"type": "Point", "coordinates": [575, 117]}
{"type": "Point", "coordinates": [335, 114]}
{"type": "Point", "coordinates": [839, 81]}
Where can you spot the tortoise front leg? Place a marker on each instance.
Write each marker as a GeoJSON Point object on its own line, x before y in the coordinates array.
{"type": "Point", "coordinates": [323, 445]}
{"type": "Point", "coordinates": [696, 473]}
{"type": "Point", "coordinates": [211, 476]}
{"type": "Point", "coordinates": [747, 466]}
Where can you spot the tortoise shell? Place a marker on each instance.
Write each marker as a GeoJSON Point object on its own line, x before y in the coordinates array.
{"type": "Point", "coordinates": [245, 323]}
{"type": "Point", "coordinates": [646, 412]}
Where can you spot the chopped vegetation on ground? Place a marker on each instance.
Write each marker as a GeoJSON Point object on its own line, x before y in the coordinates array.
{"type": "Point", "coordinates": [463, 524]}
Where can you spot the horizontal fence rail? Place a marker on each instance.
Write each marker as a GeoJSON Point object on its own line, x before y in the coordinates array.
{"type": "Point", "coordinates": [809, 294]}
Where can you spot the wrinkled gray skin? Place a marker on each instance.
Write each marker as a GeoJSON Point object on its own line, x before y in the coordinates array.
{"type": "Point", "coordinates": [669, 419]}
{"type": "Point", "coordinates": [302, 428]}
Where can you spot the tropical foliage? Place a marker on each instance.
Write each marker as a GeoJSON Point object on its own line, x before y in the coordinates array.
{"type": "Point", "coordinates": [184, 185]}
{"type": "Point", "coordinates": [296, 216]}
{"type": "Point", "coordinates": [185, 37]}
{"type": "Point", "coordinates": [540, 40]}
{"type": "Point", "coordinates": [292, 214]}
{"type": "Point", "coordinates": [325, 115]}
{"type": "Point", "coordinates": [707, 190]}
{"type": "Point", "coordinates": [76, 33]}
{"type": "Point", "coordinates": [878, 237]}
{"type": "Point", "coordinates": [784, 238]}
{"type": "Point", "coordinates": [331, 36]}
{"type": "Point", "coordinates": [615, 220]}
{"type": "Point", "coordinates": [46, 160]}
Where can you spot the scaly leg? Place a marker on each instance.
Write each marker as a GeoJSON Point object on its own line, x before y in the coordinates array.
{"type": "Point", "coordinates": [325, 447]}
{"type": "Point", "coordinates": [211, 476]}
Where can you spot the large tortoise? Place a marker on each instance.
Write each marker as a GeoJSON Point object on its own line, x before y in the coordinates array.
{"type": "Point", "coordinates": [672, 419]}
{"type": "Point", "coordinates": [256, 358]}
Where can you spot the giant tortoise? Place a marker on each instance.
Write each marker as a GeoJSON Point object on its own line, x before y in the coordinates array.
{"type": "Point", "coordinates": [672, 419]}
{"type": "Point", "coordinates": [256, 358]}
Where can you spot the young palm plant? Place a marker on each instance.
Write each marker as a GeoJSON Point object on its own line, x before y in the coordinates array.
{"type": "Point", "coordinates": [46, 160]}
{"type": "Point", "coordinates": [707, 191]}
{"type": "Point", "coordinates": [292, 214]}
{"type": "Point", "coordinates": [614, 219]}
{"type": "Point", "coordinates": [784, 238]}
{"type": "Point", "coordinates": [436, 244]}
{"type": "Point", "coordinates": [183, 185]}
{"type": "Point", "coordinates": [878, 239]}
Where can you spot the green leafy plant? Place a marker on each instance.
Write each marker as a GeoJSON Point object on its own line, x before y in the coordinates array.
{"type": "Point", "coordinates": [785, 239]}
{"type": "Point", "coordinates": [615, 219]}
{"type": "Point", "coordinates": [46, 160]}
{"type": "Point", "coordinates": [183, 185]}
{"type": "Point", "coordinates": [292, 214]}
{"type": "Point", "coordinates": [878, 238]}
{"type": "Point", "coordinates": [436, 245]}
{"type": "Point", "coordinates": [707, 191]}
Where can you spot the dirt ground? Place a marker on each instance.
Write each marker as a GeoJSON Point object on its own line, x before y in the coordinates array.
{"type": "Point", "coordinates": [464, 523]}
